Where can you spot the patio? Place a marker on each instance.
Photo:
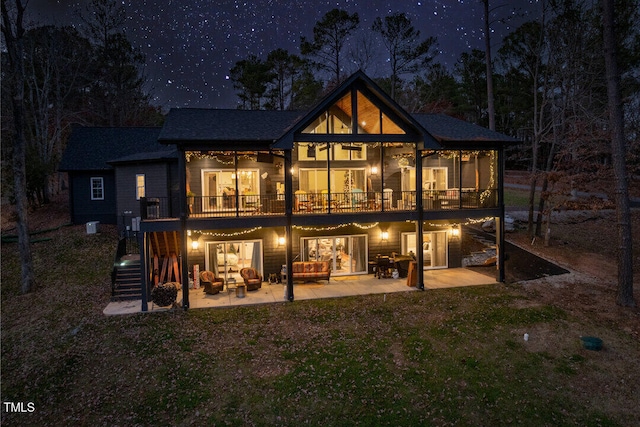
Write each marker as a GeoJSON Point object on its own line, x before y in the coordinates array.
{"type": "Point", "coordinates": [338, 287]}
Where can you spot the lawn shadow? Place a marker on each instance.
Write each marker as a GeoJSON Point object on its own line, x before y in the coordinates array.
{"type": "Point", "coordinates": [520, 264]}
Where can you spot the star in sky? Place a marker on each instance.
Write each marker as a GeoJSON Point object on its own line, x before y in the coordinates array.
{"type": "Point", "coordinates": [190, 45]}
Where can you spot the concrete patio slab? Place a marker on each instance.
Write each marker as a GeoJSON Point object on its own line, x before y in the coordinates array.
{"type": "Point", "coordinates": [337, 287]}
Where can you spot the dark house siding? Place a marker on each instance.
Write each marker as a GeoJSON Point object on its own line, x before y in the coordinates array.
{"type": "Point", "coordinates": [158, 183]}
{"type": "Point", "coordinates": [85, 209]}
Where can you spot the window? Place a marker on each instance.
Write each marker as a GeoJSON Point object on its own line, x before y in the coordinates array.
{"type": "Point", "coordinates": [434, 248]}
{"type": "Point", "coordinates": [219, 188]}
{"type": "Point", "coordinates": [140, 187]}
{"type": "Point", "coordinates": [342, 151]}
{"type": "Point", "coordinates": [338, 119]}
{"type": "Point", "coordinates": [97, 189]}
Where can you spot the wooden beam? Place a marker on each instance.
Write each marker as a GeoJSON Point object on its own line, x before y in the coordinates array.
{"type": "Point", "coordinates": [176, 247]}
{"type": "Point", "coordinates": [166, 243]}
{"type": "Point", "coordinates": [156, 249]}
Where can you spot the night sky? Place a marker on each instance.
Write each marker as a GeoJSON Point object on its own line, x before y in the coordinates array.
{"type": "Point", "coordinates": [190, 45]}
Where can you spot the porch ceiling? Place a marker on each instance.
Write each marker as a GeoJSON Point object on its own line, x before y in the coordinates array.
{"type": "Point", "coordinates": [164, 243]}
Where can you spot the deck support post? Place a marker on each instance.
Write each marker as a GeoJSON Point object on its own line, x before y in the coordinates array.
{"type": "Point", "coordinates": [184, 209]}
{"type": "Point", "coordinates": [500, 243]}
{"type": "Point", "coordinates": [143, 244]}
{"type": "Point", "coordinates": [420, 222]}
{"type": "Point", "coordinates": [288, 208]}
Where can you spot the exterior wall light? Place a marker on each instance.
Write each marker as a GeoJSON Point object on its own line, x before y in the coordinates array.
{"type": "Point", "coordinates": [374, 170]}
{"type": "Point", "coordinates": [194, 245]}
{"type": "Point", "coordinates": [384, 236]}
{"type": "Point", "coordinates": [455, 230]}
{"type": "Point", "coordinates": [281, 241]}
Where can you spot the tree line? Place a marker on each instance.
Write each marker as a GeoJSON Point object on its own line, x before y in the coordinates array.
{"type": "Point", "coordinates": [55, 77]}
{"type": "Point", "coordinates": [88, 75]}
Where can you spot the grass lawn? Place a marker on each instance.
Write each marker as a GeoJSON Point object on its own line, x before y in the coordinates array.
{"type": "Point", "coordinates": [445, 357]}
{"type": "Point", "coordinates": [519, 198]}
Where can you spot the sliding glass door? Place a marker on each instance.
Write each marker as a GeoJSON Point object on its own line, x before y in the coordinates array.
{"type": "Point", "coordinates": [219, 188]}
{"type": "Point", "coordinates": [346, 254]}
{"type": "Point", "coordinates": [226, 259]}
{"type": "Point", "coordinates": [434, 248]}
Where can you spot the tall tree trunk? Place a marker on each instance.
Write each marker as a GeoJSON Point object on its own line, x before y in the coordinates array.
{"type": "Point", "coordinates": [14, 32]}
{"type": "Point", "coordinates": [532, 187]}
{"type": "Point", "coordinates": [487, 55]}
{"type": "Point", "coordinates": [545, 182]}
{"type": "Point", "coordinates": [616, 123]}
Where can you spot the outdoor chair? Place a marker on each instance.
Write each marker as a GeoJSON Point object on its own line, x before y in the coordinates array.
{"type": "Point", "coordinates": [384, 267]}
{"type": "Point", "coordinates": [302, 201]}
{"type": "Point", "coordinates": [252, 279]}
{"type": "Point", "coordinates": [211, 284]}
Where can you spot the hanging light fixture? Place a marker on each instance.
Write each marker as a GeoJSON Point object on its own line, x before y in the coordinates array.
{"type": "Point", "coordinates": [311, 150]}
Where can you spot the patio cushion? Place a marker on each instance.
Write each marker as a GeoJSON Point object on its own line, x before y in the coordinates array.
{"type": "Point", "coordinates": [311, 270]}
{"type": "Point", "coordinates": [252, 279]}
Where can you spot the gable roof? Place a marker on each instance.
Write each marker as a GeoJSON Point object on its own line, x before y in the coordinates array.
{"type": "Point", "coordinates": [357, 79]}
{"type": "Point", "coordinates": [92, 148]}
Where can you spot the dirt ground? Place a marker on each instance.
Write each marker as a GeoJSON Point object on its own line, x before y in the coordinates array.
{"type": "Point", "coordinates": [583, 242]}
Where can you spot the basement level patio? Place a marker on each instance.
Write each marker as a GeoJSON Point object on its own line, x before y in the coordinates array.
{"type": "Point", "coordinates": [337, 287]}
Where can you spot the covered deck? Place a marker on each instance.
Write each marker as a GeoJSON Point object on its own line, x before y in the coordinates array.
{"type": "Point", "coordinates": [321, 203]}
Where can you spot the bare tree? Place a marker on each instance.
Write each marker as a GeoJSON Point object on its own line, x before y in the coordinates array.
{"type": "Point", "coordinates": [13, 31]}
{"type": "Point", "coordinates": [363, 53]}
{"type": "Point", "coordinates": [616, 122]}
{"type": "Point", "coordinates": [56, 61]}
{"type": "Point", "coordinates": [523, 50]}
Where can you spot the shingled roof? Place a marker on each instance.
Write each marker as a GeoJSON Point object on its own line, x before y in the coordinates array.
{"type": "Point", "coordinates": [211, 125]}
{"type": "Point", "coordinates": [257, 129]}
{"type": "Point", "coordinates": [93, 148]}
{"type": "Point", "coordinates": [237, 126]}
{"type": "Point", "coordinates": [446, 128]}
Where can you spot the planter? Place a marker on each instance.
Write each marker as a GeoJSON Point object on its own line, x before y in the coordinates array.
{"type": "Point", "coordinates": [164, 294]}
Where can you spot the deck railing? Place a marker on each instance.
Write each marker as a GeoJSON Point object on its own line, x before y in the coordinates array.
{"type": "Point", "coordinates": [305, 203]}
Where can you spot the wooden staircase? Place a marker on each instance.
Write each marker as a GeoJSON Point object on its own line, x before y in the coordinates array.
{"type": "Point", "coordinates": [127, 280]}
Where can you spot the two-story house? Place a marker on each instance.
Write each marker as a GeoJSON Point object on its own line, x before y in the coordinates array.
{"type": "Point", "coordinates": [354, 177]}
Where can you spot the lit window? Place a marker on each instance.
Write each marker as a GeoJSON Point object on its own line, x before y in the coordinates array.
{"type": "Point", "coordinates": [97, 189]}
{"type": "Point", "coordinates": [140, 188]}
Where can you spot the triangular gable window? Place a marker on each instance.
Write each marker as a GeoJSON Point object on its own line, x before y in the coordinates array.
{"type": "Point", "coordinates": [338, 119]}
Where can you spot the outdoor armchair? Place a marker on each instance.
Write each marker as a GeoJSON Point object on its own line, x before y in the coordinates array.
{"type": "Point", "coordinates": [252, 279]}
{"type": "Point", "coordinates": [211, 284]}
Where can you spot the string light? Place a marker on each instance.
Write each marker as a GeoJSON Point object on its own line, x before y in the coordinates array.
{"type": "Point", "coordinates": [237, 233]}
{"type": "Point", "coordinates": [335, 227]}
{"type": "Point", "coordinates": [225, 157]}
{"type": "Point", "coordinates": [469, 221]}
{"type": "Point", "coordinates": [486, 193]}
